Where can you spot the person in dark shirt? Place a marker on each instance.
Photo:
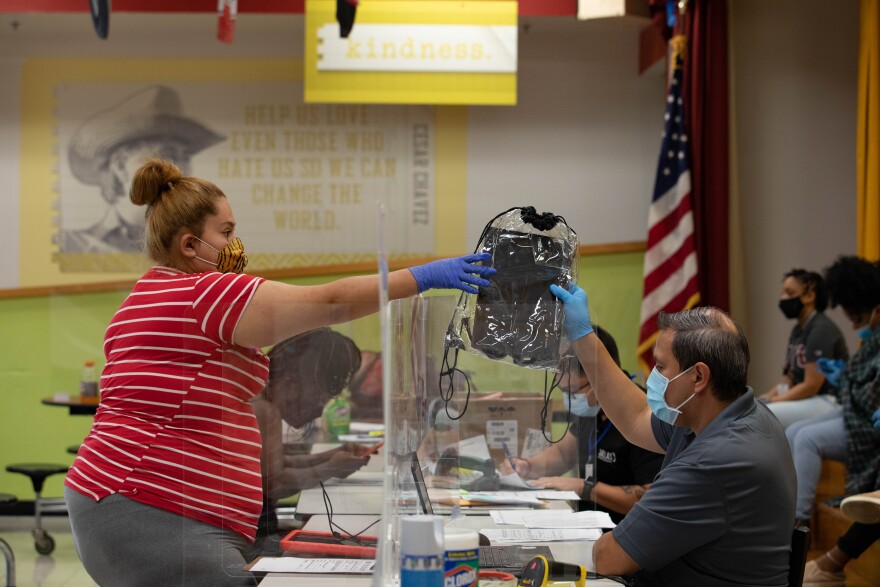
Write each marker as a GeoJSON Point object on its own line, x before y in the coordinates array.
{"type": "Point", "coordinates": [612, 478]}
{"type": "Point", "coordinates": [721, 510]}
{"type": "Point", "coordinates": [804, 392]}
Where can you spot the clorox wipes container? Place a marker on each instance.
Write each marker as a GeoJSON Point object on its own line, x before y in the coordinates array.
{"type": "Point", "coordinates": [461, 561]}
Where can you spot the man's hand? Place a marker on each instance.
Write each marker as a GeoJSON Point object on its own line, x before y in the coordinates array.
{"type": "Point", "coordinates": [522, 467]}
{"type": "Point", "coordinates": [577, 311]}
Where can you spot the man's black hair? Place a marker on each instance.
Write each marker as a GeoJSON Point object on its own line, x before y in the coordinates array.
{"type": "Point", "coordinates": [710, 336]}
{"type": "Point", "coordinates": [812, 282]}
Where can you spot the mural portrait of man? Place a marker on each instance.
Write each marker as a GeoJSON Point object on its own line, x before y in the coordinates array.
{"type": "Point", "coordinates": [106, 149]}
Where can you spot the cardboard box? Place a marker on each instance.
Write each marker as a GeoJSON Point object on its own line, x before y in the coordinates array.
{"type": "Point", "coordinates": [501, 417]}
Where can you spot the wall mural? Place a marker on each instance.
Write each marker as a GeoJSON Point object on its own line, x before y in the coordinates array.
{"type": "Point", "coordinates": [303, 179]}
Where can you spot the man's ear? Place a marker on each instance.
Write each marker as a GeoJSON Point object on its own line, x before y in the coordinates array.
{"type": "Point", "coordinates": [703, 375]}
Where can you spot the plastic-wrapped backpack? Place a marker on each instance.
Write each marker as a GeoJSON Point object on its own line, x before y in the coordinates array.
{"type": "Point", "coordinates": [516, 319]}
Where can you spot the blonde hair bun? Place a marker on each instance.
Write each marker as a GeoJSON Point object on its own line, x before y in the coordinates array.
{"type": "Point", "coordinates": [151, 180]}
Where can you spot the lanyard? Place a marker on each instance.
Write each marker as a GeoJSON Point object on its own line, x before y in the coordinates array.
{"type": "Point", "coordinates": [600, 437]}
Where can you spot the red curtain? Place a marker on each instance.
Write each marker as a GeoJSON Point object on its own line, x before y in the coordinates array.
{"type": "Point", "coordinates": [705, 91]}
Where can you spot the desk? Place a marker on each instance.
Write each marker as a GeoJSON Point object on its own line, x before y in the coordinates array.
{"type": "Point", "coordinates": [580, 552]}
{"type": "Point", "coordinates": [350, 498]}
{"type": "Point", "coordinates": [74, 403]}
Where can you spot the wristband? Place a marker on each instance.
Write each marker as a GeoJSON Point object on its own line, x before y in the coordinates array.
{"type": "Point", "coordinates": [588, 487]}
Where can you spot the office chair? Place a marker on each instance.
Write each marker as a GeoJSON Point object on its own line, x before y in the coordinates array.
{"type": "Point", "coordinates": [800, 542]}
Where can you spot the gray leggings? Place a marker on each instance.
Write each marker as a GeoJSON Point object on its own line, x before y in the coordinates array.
{"type": "Point", "coordinates": [124, 543]}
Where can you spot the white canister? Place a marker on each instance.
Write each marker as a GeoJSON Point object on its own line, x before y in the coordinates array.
{"type": "Point", "coordinates": [421, 551]}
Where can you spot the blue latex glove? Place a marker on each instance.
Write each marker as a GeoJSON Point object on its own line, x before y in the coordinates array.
{"type": "Point", "coordinates": [831, 369]}
{"type": "Point", "coordinates": [876, 419]}
{"type": "Point", "coordinates": [577, 311]}
{"type": "Point", "coordinates": [456, 273]}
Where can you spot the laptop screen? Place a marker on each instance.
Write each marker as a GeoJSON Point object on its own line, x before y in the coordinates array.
{"type": "Point", "coordinates": [421, 488]}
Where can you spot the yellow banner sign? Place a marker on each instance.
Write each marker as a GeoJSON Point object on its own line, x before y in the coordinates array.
{"type": "Point", "coordinates": [400, 52]}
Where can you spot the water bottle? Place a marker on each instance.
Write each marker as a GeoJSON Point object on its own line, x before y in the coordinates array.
{"type": "Point", "coordinates": [88, 383]}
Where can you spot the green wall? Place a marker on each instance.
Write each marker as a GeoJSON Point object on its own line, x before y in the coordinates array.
{"type": "Point", "coordinates": [46, 339]}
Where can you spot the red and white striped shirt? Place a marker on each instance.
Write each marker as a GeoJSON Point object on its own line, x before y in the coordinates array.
{"type": "Point", "coordinates": [175, 428]}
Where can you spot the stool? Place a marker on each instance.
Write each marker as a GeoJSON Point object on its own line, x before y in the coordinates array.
{"type": "Point", "coordinates": [7, 499]}
{"type": "Point", "coordinates": [38, 473]}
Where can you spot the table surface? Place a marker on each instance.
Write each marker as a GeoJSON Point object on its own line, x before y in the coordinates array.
{"type": "Point", "coordinates": [74, 403]}
{"type": "Point", "coordinates": [580, 552]}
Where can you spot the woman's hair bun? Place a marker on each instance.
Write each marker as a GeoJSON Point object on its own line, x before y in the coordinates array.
{"type": "Point", "coordinates": [151, 180]}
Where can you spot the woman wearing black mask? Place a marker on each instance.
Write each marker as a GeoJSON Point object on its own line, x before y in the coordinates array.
{"type": "Point", "coordinates": [804, 392]}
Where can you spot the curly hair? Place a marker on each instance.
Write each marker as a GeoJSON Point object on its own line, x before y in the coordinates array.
{"type": "Point", "coordinates": [854, 284]}
{"type": "Point", "coordinates": [319, 363]}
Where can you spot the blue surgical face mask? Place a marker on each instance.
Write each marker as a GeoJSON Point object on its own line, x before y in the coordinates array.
{"type": "Point", "coordinates": [657, 385]}
{"type": "Point", "coordinates": [580, 405]}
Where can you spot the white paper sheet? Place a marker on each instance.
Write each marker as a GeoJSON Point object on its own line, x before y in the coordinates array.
{"type": "Point", "coordinates": [514, 480]}
{"type": "Point", "coordinates": [366, 427]}
{"type": "Point", "coordinates": [292, 564]}
{"type": "Point", "coordinates": [550, 519]}
{"type": "Point", "coordinates": [517, 517]}
{"type": "Point", "coordinates": [476, 447]}
{"type": "Point", "coordinates": [523, 535]}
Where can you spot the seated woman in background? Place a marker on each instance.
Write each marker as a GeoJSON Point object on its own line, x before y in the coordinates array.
{"type": "Point", "coordinates": [623, 471]}
{"type": "Point", "coordinates": [846, 434]}
{"type": "Point", "coordinates": [306, 371]}
{"type": "Point", "coordinates": [804, 391]}
{"type": "Point", "coordinates": [828, 569]}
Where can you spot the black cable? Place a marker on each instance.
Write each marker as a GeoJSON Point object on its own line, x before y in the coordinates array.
{"type": "Point", "coordinates": [545, 408]}
{"type": "Point", "coordinates": [342, 534]}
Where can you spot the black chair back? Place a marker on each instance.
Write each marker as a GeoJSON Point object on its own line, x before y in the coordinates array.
{"type": "Point", "coordinates": [800, 541]}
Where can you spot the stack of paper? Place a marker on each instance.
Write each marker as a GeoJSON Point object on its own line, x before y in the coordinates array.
{"type": "Point", "coordinates": [552, 519]}
{"type": "Point", "coordinates": [524, 535]}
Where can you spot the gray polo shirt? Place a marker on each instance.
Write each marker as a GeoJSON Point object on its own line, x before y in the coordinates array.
{"type": "Point", "coordinates": [721, 510]}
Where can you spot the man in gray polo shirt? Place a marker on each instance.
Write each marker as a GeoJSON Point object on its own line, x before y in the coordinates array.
{"type": "Point", "coordinates": [721, 510]}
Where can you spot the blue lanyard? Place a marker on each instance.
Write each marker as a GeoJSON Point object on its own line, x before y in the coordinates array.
{"type": "Point", "coordinates": [600, 437]}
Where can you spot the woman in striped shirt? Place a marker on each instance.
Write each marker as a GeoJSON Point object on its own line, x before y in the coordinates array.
{"type": "Point", "coordinates": [166, 489]}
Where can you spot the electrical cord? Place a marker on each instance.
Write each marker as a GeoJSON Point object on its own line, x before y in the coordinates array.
{"type": "Point", "coordinates": [338, 531]}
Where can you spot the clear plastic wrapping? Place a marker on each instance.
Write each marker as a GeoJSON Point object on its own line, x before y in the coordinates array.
{"type": "Point", "coordinates": [516, 319]}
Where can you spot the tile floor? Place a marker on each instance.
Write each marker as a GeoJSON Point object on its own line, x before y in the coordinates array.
{"type": "Point", "coordinates": [59, 569]}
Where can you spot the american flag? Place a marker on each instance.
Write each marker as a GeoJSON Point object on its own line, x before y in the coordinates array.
{"type": "Point", "coordinates": [671, 259]}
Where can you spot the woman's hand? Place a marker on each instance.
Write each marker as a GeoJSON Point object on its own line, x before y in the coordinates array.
{"type": "Point", "coordinates": [341, 464]}
{"type": "Point", "coordinates": [456, 273]}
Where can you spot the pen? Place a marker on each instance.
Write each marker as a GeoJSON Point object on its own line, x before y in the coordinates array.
{"type": "Point", "coordinates": [508, 455]}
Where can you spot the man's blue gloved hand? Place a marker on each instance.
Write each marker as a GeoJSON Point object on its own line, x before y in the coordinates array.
{"type": "Point", "coordinates": [875, 418]}
{"type": "Point", "coordinates": [456, 273]}
{"type": "Point", "coordinates": [831, 369]}
{"type": "Point", "coordinates": [577, 312]}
